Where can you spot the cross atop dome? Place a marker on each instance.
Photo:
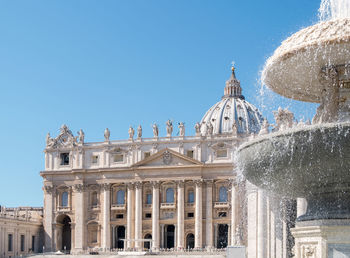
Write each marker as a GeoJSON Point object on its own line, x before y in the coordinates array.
{"type": "Point", "coordinates": [233, 86]}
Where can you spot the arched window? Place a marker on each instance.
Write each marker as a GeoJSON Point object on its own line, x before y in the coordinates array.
{"type": "Point", "coordinates": [191, 196]}
{"type": "Point", "coordinates": [64, 201]}
{"type": "Point", "coordinates": [94, 200]}
{"type": "Point", "coordinates": [121, 197]}
{"type": "Point", "coordinates": [170, 195]}
{"type": "Point", "coordinates": [222, 194]}
{"type": "Point", "coordinates": [148, 198]}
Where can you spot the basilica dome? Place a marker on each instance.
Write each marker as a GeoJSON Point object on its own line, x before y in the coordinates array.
{"type": "Point", "coordinates": [232, 111]}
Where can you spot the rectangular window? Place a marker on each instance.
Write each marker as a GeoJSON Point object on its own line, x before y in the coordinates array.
{"type": "Point", "coordinates": [33, 243]}
{"type": "Point", "coordinates": [147, 154]}
{"type": "Point", "coordinates": [9, 243]}
{"type": "Point", "coordinates": [94, 159]}
{"type": "Point", "coordinates": [222, 214]}
{"type": "Point", "coordinates": [148, 215]}
{"type": "Point", "coordinates": [190, 215]}
{"type": "Point", "coordinates": [190, 153]}
{"type": "Point", "coordinates": [64, 159]}
{"type": "Point", "coordinates": [119, 216]}
{"type": "Point", "coordinates": [149, 199]}
{"type": "Point", "coordinates": [118, 158]}
{"type": "Point", "coordinates": [22, 243]}
{"type": "Point", "coordinates": [221, 153]}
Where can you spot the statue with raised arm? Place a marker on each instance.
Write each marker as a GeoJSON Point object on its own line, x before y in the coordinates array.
{"type": "Point", "coordinates": [169, 128]}
{"type": "Point", "coordinates": [107, 134]}
{"type": "Point", "coordinates": [131, 132]}
{"type": "Point", "coordinates": [81, 136]}
{"type": "Point", "coordinates": [139, 131]}
{"type": "Point", "coordinates": [155, 130]}
{"type": "Point", "coordinates": [181, 129]}
{"type": "Point", "coordinates": [197, 128]}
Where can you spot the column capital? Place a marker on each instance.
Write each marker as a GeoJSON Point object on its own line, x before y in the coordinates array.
{"type": "Point", "coordinates": [79, 188]}
{"type": "Point", "coordinates": [198, 182]}
{"type": "Point", "coordinates": [180, 183]}
{"type": "Point", "coordinates": [209, 182]}
{"type": "Point", "coordinates": [48, 189]}
{"type": "Point", "coordinates": [138, 185]}
{"type": "Point", "coordinates": [130, 185]}
{"type": "Point", "coordinates": [155, 184]}
{"type": "Point", "coordinates": [106, 187]}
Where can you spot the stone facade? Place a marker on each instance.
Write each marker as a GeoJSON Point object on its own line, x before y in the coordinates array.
{"type": "Point", "coordinates": [21, 231]}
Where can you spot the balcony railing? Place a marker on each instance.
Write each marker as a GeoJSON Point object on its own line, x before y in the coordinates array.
{"type": "Point", "coordinates": [147, 205]}
{"type": "Point", "coordinates": [166, 205]}
{"type": "Point", "coordinates": [189, 204]}
{"type": "Point", "coordinates": [63, 208]}
{"type": "Point", "coordinates": [118, 207]}
{"type": "Point", "coordinates": [221, 205]}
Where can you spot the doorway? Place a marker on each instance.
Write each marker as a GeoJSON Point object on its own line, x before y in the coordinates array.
{"type": "Point", "coordinates": [222, 236]}
{"type": "Point", "coordinates": [119, 235]}
{"type": "Point", "coordinates": [147, 244]}
{"type": "Point", "coordinates": [66, 236]}
{"type": "Point", "coordinates": [169, 236]}
{"type": "Point", "coordinates": [190, 241]}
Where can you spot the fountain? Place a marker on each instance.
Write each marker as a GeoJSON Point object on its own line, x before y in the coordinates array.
{"type": "Point", "coordinates": [311, 161]}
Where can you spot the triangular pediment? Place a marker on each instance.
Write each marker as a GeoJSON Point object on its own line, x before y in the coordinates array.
{"type": "Point", "coordinates": [167, 157]}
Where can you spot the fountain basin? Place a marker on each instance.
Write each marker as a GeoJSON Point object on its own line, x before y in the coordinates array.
{"type": "Point", "coordinates": [294, 69]}
{"type": "Point", "coordinates": [310, 161]}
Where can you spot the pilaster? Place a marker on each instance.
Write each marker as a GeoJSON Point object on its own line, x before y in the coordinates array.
{"type": "Point", "coordinates": [130, 215]}
{"type": "Point", "coordinates": [79, 205]}
{"type": "Point", "coordinates": [155, 216]}
{"type": "Point", "coordinates": [180, 215]}
{"type": "Point", "coordinates": [209, 214]}
{"type": "Point", "coordinates": [138, 215]}
{"type": "Point", "coordinates": [106, 230]}
{"type": "Point", "coordinates": [198, 216]}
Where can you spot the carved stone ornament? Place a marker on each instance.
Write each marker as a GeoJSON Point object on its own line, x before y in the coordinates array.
{"type": "Point", "coordinates": [65, 139]}
{"type": "Point", "coordinates": [78, 188]}
{"type": "Point", "coordinates": [180, 183]}
{"type": "Point", "coordinates": [106, 187]}
{"type": "Point", "coordinates": [138, 185]}
{"type": "Point", "coordinates": [155, 184]}
{"type": "Point", "coordinates": [167, 157]}
{"type": "Point", "coordinates": [48, 189]}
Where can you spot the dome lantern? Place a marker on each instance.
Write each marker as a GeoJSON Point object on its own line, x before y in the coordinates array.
{"type": "Point", "coordinates": [233, 86]}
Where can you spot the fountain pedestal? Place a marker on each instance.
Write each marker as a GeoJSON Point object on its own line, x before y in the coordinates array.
{"type": "Point", "coordinates": [322, 239]}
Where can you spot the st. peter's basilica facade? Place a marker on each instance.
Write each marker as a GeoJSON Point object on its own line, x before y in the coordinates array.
{"type": "Point", "coordinates": [174, 192]}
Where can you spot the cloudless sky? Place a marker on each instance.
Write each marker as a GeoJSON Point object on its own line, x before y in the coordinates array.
{"type": "Point", "coordinates": [93, 64]}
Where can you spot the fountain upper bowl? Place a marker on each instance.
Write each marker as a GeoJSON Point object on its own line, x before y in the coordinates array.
{"type": "Point", "coordinates": [299, 162]}
{"type": "Point", "coordinates": [294, 69]}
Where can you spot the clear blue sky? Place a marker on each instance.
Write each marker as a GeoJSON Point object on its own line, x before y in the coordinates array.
{"type": "Point", "coordinates": [113, 63]}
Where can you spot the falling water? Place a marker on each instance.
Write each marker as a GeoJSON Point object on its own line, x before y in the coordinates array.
{"type": "Point", "coordinates": [334, 9]}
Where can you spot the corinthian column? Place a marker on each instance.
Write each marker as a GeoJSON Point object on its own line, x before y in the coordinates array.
{"type": "Point", "coordinates": [198, 218]}
{"type": "Point", "coordinates": [180, 214]}
{"type": "Point", "coordinates": [209, 215]}
{"type": "Point", "coordinates": [155, 216]}
{"type": "Point", "coordinates": [233, 213]}
{"type": "Point", "coordinates": [130, 215]}
{"type": "Point", "coordinates": [79, 217]}
{"type": "Point", "coordinates": [106, 230]}
{"type": "Point", "coordinates": [138, 216]}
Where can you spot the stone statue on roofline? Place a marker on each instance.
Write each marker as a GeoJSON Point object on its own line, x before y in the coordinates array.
{"type": "Point", "coordinates": [197, 128]}
{"type": "Point", "coordinates": [107, 134]}
{"type": "Point", "coordinates": [81, 136]}
{"type": "Point", "coordinates": [155, 130]}
{"type": "Point", "coordinates": [139, 132]}
{"type": "Point", "coordinates": [284, 119]}
{"type": "Point", "coordinates": [131, 132]}
{"type": "Point", "coordinates": [210, 129]}
{"type": "Point", "coordinates": [169, 128]}
{"type": "Point", "coordinates": [181, 129]}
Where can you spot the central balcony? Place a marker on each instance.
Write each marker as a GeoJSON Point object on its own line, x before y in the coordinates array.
{"type": "Point", "coordinates": [167, 206]}
{"type": "Point", "coordinates": [118, 207]}
{"type": "Point", "coordinates": [218, 205]}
